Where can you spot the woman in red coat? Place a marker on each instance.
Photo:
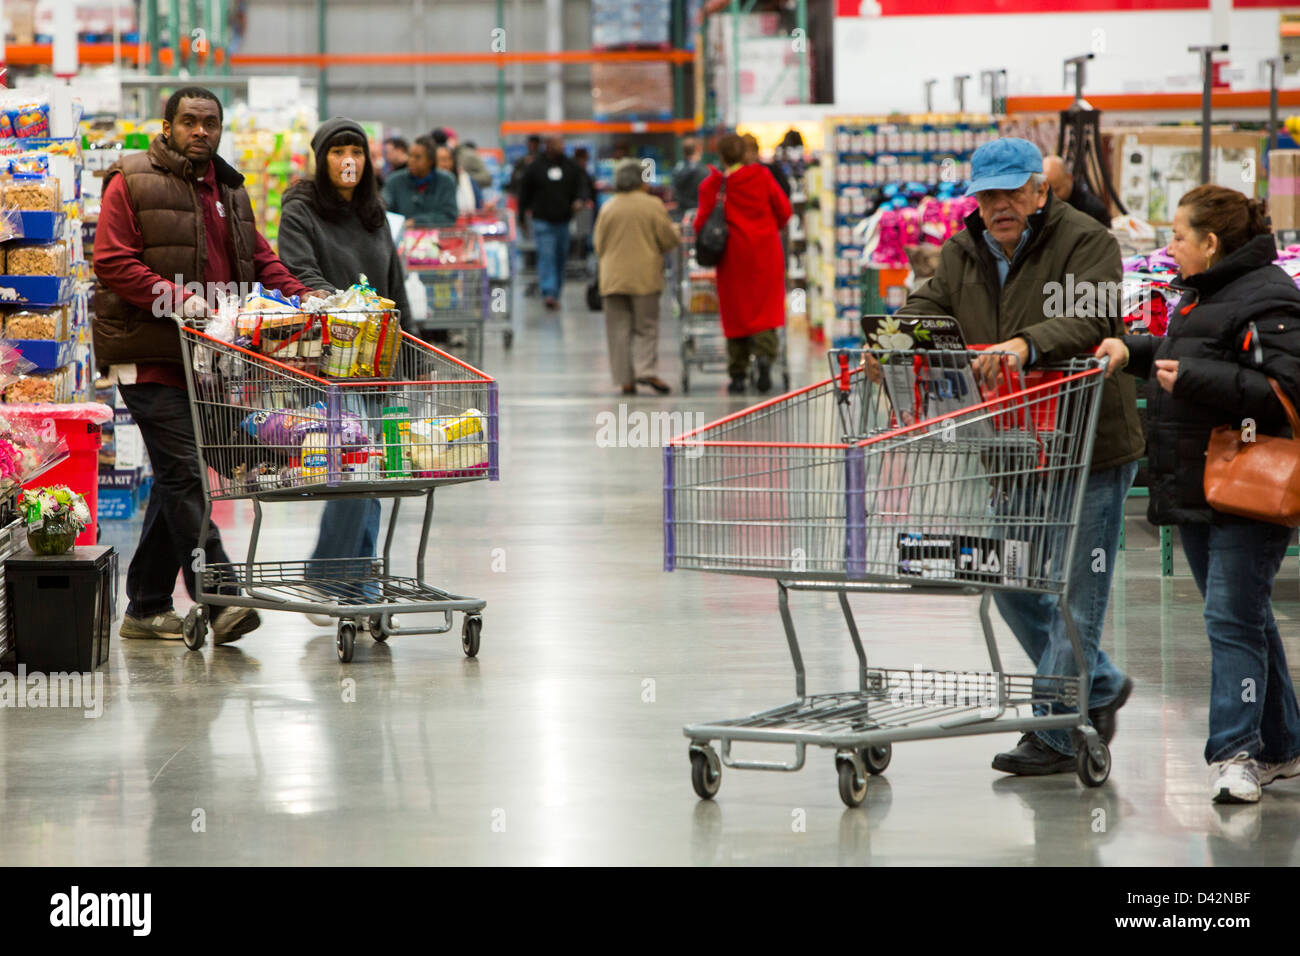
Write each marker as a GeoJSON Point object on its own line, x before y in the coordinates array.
{"type": "Point", "coordinates": [751, 275]}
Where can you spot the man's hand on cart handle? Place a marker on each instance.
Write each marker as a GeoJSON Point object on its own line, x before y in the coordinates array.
{"type": "Point", "coordinates": [1115, 351]}
{"type": "Point", "coordinates": [988, 367]}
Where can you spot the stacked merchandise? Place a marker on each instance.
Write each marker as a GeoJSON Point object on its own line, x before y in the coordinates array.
{"type": "Point", "coordinates": [44, 285]}
{"type": "Point", "coordinates": [638, 92]}
{"type": "Point", "coordinates": [1284, 189]}
{"type": "Point", "coordinates": [619, 24]}
{"type": "Point", "coordinates": [272, 150]}
{"type": "Point", "coordinates": [889, 163]}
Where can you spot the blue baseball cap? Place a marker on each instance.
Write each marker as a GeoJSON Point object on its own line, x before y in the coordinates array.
{"type": "Point", "coordinates": [1003, 164]}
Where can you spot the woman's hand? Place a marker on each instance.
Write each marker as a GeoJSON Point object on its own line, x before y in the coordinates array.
{"type": "Point", "coordinates": [1167, 373]}
{"type": "Point", "coordinates": [1116, 351]}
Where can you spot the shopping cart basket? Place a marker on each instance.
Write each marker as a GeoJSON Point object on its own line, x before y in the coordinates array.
{"type": "Point", "coordinates": [500, 236]}
{"type": "Point", "coordinates": [451, 264]}
{"type": "Point", "coordinates": [336, 412]}
{"type": "Point", "coordinates": [703, 346]}
{"type": "Point", "coordinates": [907, 475]}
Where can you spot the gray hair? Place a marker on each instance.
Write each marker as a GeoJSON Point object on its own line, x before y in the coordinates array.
{"type": "Point", "coordinates": [1037, 179]}
{"type": "Point", "coordinates": [627, 177]}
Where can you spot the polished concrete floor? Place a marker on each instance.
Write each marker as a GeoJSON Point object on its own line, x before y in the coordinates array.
{"type": "Point", "coordinates": [562, 742]}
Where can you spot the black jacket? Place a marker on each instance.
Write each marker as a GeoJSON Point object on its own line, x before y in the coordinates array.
{"type": "Point", "coordinates": [1223, 371]}
{"type": "Point", "coordinates": [550, 187]}
{"type": "Point", "coordinates": [1087, 202]}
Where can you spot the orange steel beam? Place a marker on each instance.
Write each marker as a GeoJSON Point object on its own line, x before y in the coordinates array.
{"type": "Point", "coordinates": [517, 127]}
{"type": "Point", "coordinates": [323, 61]}
{"type": "Point", "coordinates": [1129, 102]}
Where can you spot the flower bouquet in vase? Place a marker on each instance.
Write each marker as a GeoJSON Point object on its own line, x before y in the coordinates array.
{"type": "Point", "coordinates": [54, 517]}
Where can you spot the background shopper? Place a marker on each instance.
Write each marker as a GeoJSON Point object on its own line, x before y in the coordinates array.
{"type": "Point", "coordinates": [751, 275]}
{"type": "Point", "coordinates": [1237, 324]}
{"type": "Point", "coordinates": [1074, 191]}
{"type": "Point", "coordinates": [467, 157]}
{"type": "Point", "coordinates": [421, 193]}
{"type": "Point", "coordinates": [633, 232]}
{"type": "Point", "coordinates": [155, 204]}
{"type": "Point", "coordinates": [551, 192]}
{"type": "Point", "coordinates": [469, 198]}
{"type": "Point", "coordinates": [332, 231]}
{"type": "Point", "coordinates": [687, 177]}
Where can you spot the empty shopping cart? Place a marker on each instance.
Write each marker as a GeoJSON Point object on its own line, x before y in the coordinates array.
{"type": "Point", "coordinates": [908, 474]}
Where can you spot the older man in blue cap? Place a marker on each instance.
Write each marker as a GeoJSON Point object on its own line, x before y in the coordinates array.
{"type": "Point", "coordinates": [1006, 279]}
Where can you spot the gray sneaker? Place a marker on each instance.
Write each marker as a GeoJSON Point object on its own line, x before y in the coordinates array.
{"type": "Point", "coordinates": [160, 627]}
{"type": "Point", "coordinates": [1268, 772]}
{"type": "Point", "coordinates": [232, 623]}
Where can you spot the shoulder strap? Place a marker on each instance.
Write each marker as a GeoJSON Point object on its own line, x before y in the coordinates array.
{"type": "Point", "coordinates": [1287, 407]}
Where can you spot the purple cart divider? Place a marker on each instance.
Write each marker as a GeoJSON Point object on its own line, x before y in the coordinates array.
{"type": "Point", "coordinates": [855, 513]}
{"type": "Point", "coordinates": [670, 543]}
{"type": "Point", "coordinates": [334, 436]}
{"type": "Point", "coordinates": [493, 472]}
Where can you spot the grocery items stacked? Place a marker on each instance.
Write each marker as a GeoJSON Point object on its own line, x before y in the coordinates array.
{"type": "Point", "coordinates": [44, 282]}
{"type": "Point", "coordinates": [272, 156]}
{"type": "Point", "coordinates": [891, 164]}
{"type": "Point", "coordinates": [355, 333]}
{"type": "Point", "coordinates": [125, 477]}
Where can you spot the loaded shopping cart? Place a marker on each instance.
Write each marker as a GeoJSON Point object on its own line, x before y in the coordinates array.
{"type": "Point", "coordinates": [500, 236]}
{"type": "Point", "coordinates": [902, 473]}
{"type": "Point", "coordinates": [452, 266]}
{"type": "Point", "coordinates": [703, 346]}
{"type": "Point", "coordinates": [338, 405]}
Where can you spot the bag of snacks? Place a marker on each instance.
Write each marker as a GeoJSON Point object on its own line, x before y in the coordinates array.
{"type": "Point", "coordinates": [30, 164]}
{"type": "Point", "coordinates": [31, 120]}
{"type": "Point", "coordinates": [55, 386]}
{"type": "Point", "coordinates": [43, 259]}
{"type": "Point", "coordinates": [32, 193]}
{"type": "Point", "coordinates": [48, 324]}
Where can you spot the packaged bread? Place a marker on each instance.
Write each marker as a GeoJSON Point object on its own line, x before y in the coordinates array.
{"type": "Point", "coordinates": [43, 259]}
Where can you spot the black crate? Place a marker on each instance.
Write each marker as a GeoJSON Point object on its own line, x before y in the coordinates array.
{"type": "Point", "coordinates": [61, 608]}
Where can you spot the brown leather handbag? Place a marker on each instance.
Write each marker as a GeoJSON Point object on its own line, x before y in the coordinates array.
{"type": "Point", "coordinates": [1257, 479]}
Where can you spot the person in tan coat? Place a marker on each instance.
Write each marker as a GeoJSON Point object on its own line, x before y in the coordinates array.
{"type": "Point", "coordinates": [633, 232]}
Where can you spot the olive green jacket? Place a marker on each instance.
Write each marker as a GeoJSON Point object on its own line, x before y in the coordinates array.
{"type": "Point", "coordinates": [1062, 295]}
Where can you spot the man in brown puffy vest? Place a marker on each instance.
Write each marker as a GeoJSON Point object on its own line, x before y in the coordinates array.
{"type": "Point", "coordinates": [173, 221]}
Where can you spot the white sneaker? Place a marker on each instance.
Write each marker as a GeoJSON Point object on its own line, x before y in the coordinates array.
{"type": "Point", "coordinates": [1235, 780]}
{"type": "Point", "coordinates": [1268, 772]}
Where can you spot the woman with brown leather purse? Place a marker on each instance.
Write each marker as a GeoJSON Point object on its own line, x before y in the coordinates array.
{"type": "Point", "coordinates": [1236, 327]}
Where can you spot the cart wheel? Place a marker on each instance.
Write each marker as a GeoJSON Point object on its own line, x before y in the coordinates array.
{"type": "Point", "coordinates": [853, 789]}
{"type": "Point", "coordinates": [195, 628]}
{"type": "Point", "coordinates": [509, 338]}
{"type": "Point", "coordinates": [706, 776]}
{"type": "Point", "coordinates": [346, 640]}
{"type": "Point", "coordinates": [876, 759]}
{"type": "Point", "coordinates": [469, 635]}
{"type": "Point", "coordinates": [1092, 773]}
{"type": "Point", "coordinates": [378, 625]}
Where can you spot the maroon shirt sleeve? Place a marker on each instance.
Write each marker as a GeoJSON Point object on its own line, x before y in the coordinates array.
{"type": "Point", "coordinates": [119, 247]}
{"type": "Point", "coordinates": [271, 272]}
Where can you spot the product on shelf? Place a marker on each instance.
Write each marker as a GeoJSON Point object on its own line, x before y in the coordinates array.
{"type": "Point", "coordinates": [55, 386]}
{"type": "Point", "coordinates": [30, 120]}
{"type": "Point", "coordinates": [32, 193]}
{"type": "Point", "coordinates": [37, 324]}
{"type": "Point", "coordinates": [49, 259]}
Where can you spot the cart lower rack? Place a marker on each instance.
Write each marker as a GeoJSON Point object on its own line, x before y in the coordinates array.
{"type": "Point", "coordinates": [323, 408]}
{"type": "Point", "coordinates": [927, 472]}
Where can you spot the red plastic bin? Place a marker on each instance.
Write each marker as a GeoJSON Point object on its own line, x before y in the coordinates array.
{"type": "Point", "coordinates": [82, 426]}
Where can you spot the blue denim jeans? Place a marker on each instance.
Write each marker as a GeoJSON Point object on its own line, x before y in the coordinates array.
{"type": "Point", "coordinates": [1252, 702]}
{"type": "Point", "coordinates": [1036, 619]}
{"type": "Point", "coordinates": [349, 528]}
{"type": "Point", "coordinates": [552, 252]}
